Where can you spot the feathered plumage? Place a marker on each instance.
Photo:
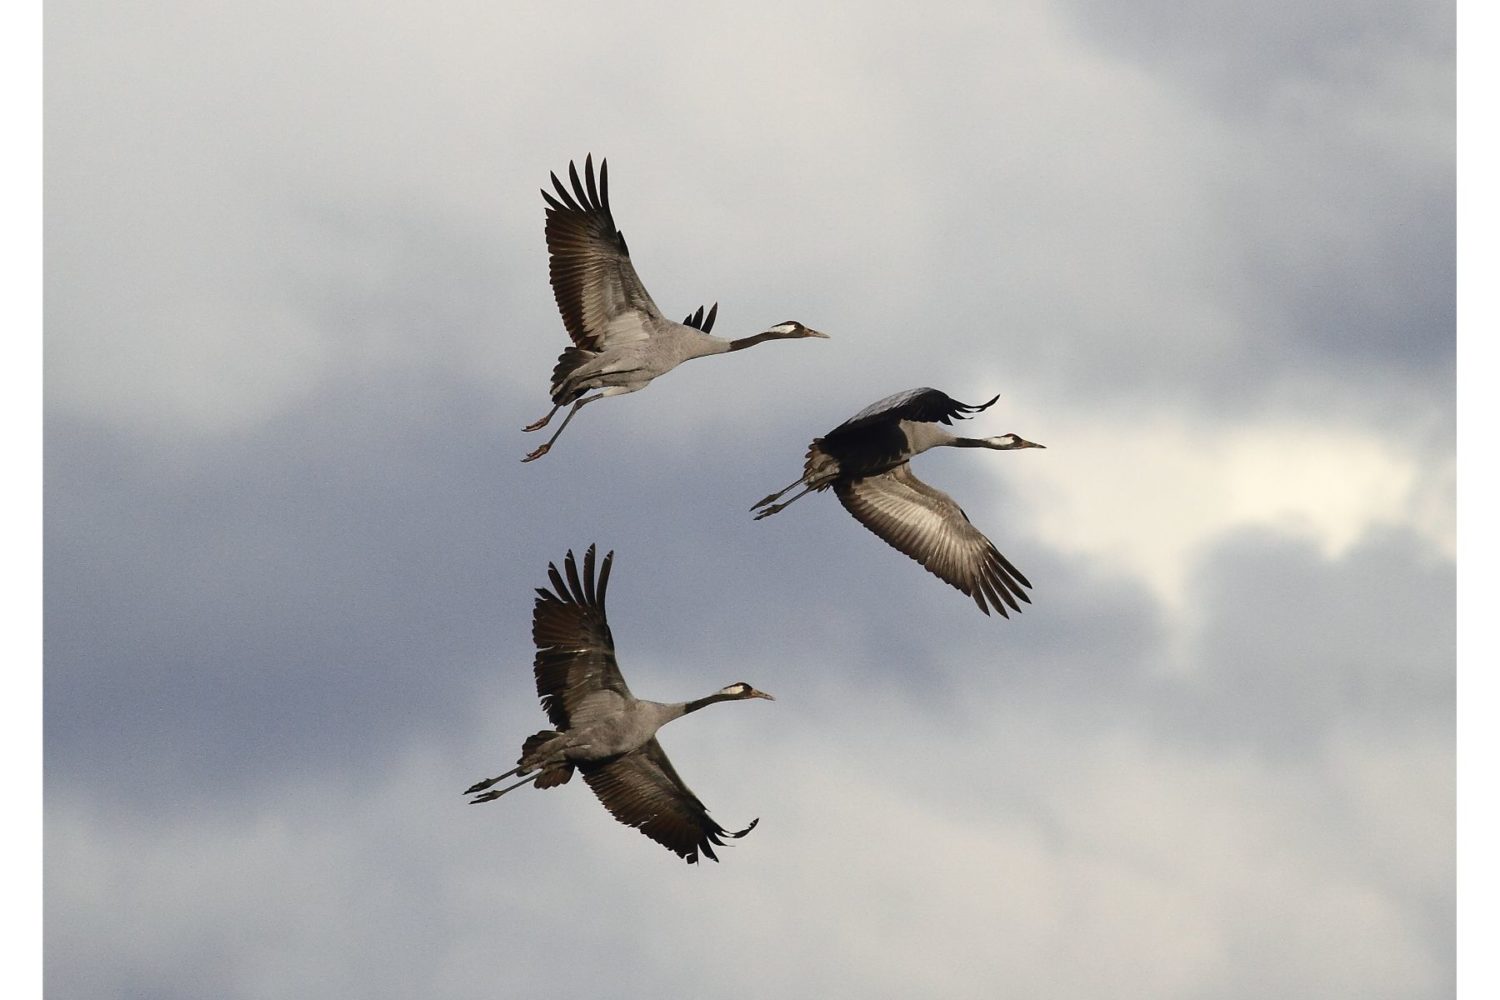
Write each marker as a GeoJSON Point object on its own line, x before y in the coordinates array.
{"type": "Point", "coordinates": [621, 340]}
{"type": "Point", "coordinates": [600, 728]}
{"type": "Point", "coordinates": [865, 461]}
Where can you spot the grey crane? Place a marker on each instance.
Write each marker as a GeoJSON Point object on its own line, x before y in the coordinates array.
{"type": "Point", "coordinates": [621, 340]}
{"type": "Point", "coordinates": [602, 729]}
{"type": "Point", "coordinates": [865, 460]}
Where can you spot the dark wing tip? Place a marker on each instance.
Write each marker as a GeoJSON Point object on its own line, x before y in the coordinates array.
{"type": "Point", "coordinates": [1002, 583]}
{"type": "Point", "coordinates": [588, 574]}
{"type": "Point", "coordinates": [574, 586]}
{"type": "Point", "coordinates": [603, 584]}
{"type": "Point", "coordinates": [717, 835]}
{"type": "Point", "coordinates": [585, 195]}
{"type": "Point", "coordinates": [568, 204]}
{"type": "Point", "coordinates": [577, 186]}
{"type": "Point", "coordinates": [936, 405]}
{"type": "Point", "coordinates": [699, 321]}
{"type": "Point", "coordinates": [753, 824]}
{"type": "Point", "coordinates": [961, 411]}
{"type": "Point", "coordinates": [967, 408]}
{"type": "Point", "coordinates": [559, 588]}
{"type": "Point", "coordinates": [588, 174]}
{"type": "Point", "coordinates": [571, 587]}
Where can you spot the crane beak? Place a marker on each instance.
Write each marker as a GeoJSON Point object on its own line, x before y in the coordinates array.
{"type": "Point", "coordinates": [760, 694]}
{"type": "Point", "coordinates": [1029, 444]}
{"type": "Point", "coordinates": [810, 332]}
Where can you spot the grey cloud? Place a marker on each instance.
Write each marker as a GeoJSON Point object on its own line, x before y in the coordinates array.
{"type": "Point", "coordinates": [297, 313]}
{"type": "Point", "coordinates": [1243, 57]}
{"type": "Point", "coordinates": [313, 591]}
{"type": "Point", "coordinates": [1339, 192]}
{"type": "Point", "coordinates": [1293, 647]}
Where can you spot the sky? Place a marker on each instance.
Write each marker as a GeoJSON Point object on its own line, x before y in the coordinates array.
{"type": "Point", "coordinates": [297, 313]}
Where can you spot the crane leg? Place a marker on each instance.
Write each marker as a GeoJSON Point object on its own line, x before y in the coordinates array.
{"type": "Point", "coordinates": [775, 507]}
{"type": "Point", "coordinates": [558, 433]}
{"type": "Point", "coordinates": [781, 492]}
{"type": "Point", "coordinates": [538, 425]}
{"type": "Point", "coordinates": [492, 796]}
{"type": "Point", "coordinates": [480, 786]}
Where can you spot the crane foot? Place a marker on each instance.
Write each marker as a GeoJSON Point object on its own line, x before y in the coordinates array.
{"type": "Point", "coordinates": [538, 453]}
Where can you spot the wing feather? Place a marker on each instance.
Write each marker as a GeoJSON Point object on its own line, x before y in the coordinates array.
{"type": "Point", "coordinates": [641, 789]}
{"type": "Point", "coordinates": [697, 321]}
{"type": "Point", "coordinates": [927, 525]}
{"type": "Point", "coordinates": [575, 653]}
{"type": "Point", "coordinates": [598, 293]}
{"type": "Point", "coordinates": [925, 405]}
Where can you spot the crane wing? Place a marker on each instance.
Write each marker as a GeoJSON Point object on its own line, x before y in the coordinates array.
{"type": "Point", "coordinates": [642, 789]}
{"type": "Point", "coordinates": [927, 525]}
{"type": "Point", "coordinates": [602, 301]}
{"type": "Point", "coordinates": [698, 322]}
{"type": "Point", "coordinates": [923, 405]}
{"type": "Point", "coordinates": [575, 654]}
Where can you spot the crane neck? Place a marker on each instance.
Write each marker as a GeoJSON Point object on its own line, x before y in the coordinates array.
{"type": "Point", "coordinates": [922, 435]}
{"type": "Point", "coordinates": [759, 338]}
{"type": "Point", "coordinates": [717, 696]}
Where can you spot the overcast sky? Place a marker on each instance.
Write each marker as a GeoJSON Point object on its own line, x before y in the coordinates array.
{"type": "Point", "coordinates": [297, 313]}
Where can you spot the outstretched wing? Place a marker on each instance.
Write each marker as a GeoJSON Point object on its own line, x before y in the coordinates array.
{"type": "Point", "coordinates": [575, 654]}
{"type": "Point", "coordinates": [602, 301]}
{"type": "Point", "coordinates": [642, 789]}
{"type": "Point", "coordinates": [923, 405]}
{"type": "Point", "coordinates": [927, 525]}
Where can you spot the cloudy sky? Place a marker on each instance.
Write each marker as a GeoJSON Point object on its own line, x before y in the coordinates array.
{"type": "Point", "coordinates": [297, 313]}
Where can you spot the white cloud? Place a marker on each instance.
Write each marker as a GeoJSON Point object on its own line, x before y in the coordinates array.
{"type": "Point", "coordinates": [1148, 495]}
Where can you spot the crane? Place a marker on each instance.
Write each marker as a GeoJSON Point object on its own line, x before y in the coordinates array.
{"type": "Point", "coordinates": [603, 730]}
{"type": "Point", "coordinates": [621, 340]}
{"type": "Point", "coordinates": [866, 462]}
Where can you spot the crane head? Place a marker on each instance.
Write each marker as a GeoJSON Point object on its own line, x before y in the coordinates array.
{"type": "Point", "coordinates": [1010, 442]}
{"type": "Point", "coordinates": [791, 329]}
{"type": "Point", "coordinates": [740, 689]}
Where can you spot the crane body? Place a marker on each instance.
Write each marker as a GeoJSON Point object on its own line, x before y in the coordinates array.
{"type": "Point", "coordinates": [621, 339]}
{"type": "Point", "coordinates": [865, 460]}
{"type": "Point", "coordinates": [601, 729]}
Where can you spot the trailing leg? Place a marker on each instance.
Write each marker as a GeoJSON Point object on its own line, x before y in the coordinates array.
{"type": "Point", "coordinates": [776, 507]}
{"type": "Point", "coordinates": [538, 425]}
{"type": "Point", "coordinates": [492, 796]}
{"type": "Point", "coordinates": [558, 433]}
{"type": "Point", "coordinates": [761, 503]}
